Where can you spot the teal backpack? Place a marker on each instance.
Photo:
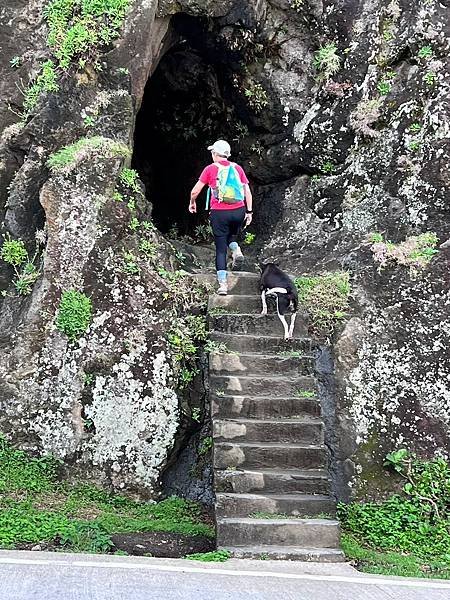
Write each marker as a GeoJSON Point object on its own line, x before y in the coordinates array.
{"type": "Point", "coordinates": [229, 187]}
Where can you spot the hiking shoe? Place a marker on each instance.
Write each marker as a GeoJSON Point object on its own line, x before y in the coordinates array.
{"type": "Point", "coordinates": [238, 257]}
{"type": "Point", "coordinates": [223, 288]}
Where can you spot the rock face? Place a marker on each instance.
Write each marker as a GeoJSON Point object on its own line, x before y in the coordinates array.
{"type": "Point", "coordinates": [339, 145]}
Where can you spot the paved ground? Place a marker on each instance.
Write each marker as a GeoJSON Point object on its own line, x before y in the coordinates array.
{"type": "Point", "coordinates": [45, 576]}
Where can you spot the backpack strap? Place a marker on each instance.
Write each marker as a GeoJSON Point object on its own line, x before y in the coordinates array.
{"type": "Point", "coordinates": [208, 198]}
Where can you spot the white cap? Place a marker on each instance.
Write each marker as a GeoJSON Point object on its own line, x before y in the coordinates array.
{"type": "Point", "coordinates": [221, 147]}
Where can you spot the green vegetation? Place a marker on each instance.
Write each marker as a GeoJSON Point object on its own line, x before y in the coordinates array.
{"type": "Point", "coordinates": [392, 563]}
{"type": "Point", "coordinates": [84, 147]}
{"type": "Point", "coordinates": [74, 314]}
{"type": "Point", "coordinates": [79, 28]}
{"type": "Point", "coordinates": [415, 251]}
{"type": "Point", "coordinates": [256, 96]}
{"type": "Point", "coordinates": [305, 394]}
{"type": "Point", "coordinates": [415, 524]}
{"type": "Point", "coordinates": [249, 238]}
{"type": "Point", "coordinates": [15, 62]}
{"type": "Point", "coordinates": [203, 232]}
{"type": "Point", "coordinates": [326, 298]}
{"type": "Point", "coordinates": [327, 61]}
{"type": "Point", "coordinates": [414, 145]}
{"type": "Point", "coordinates": [216, 556]}
{"type": "Point", "coordinates": [297, 5]}
{"type": "Point", "coordinates": [46, 81]}
{"type": "Point", "coordinates": [35, 507]}
{"type": "Point", "coordinates": [267, 515]}
{"type": "Point", "coordinates": [430, 78]}
{"type": "Point", "coordinates": [15, 254]}
{"type": "Point", "coordinates": [130, 178]}
{"type": "Point", "coordinates": [328, 167]}
{"type": "Point", "coordinates": [291, 354]}
{"type": "Point", "coordinates": [425, 52]}
{"type": "Point", "coordinates": [130, 264]}
{"type": "Point", "coordinates": [185, 338]}
{"type": "Point", "coordinates": [205, 445]}
{"type": "Point", "coordinates": [415, 127]}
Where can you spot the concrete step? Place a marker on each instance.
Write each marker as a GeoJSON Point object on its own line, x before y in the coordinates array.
{"type": "Point", "coordinates": [278, 481]}
{"type": "Point", "coordinates": [293, 505]}
{"type": "Point", "coordinates": [252, 364]}
{"type": "Point", "coordinates": [309, 533]}
{"type": "Point", "coordinates": [236, 303]}
{"type": "Point", "coordinates": [265, 344]}
{"type": "Point", "coordinates": [239, 283]}
{"type": "Point", "coordinates": [254, 325]}
{"type": "Point", "coordinates": [268, 455]}
{"type": "Point", "coordinates": [260, 407]}
{"type": "Point", "coordinates": [321, 555]}
{"type": "Point", "coordinates": [305, 431]}
{"type": "Point", "coordinates": [265, 386]}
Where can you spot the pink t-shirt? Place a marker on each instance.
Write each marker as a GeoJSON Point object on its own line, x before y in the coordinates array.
{"type": "Point", "coordinates": [209, 177]}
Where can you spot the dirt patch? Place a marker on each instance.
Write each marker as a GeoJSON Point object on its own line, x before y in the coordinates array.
{"type": "Point", "coordinates": [162, 544]}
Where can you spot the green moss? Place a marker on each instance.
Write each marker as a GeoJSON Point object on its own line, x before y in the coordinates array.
{"type": "Point", "coordinates": [46, 81]}
{"type": "Point", "coordinates": [72, 154]}
{"type": "Point", "coordinates": [216, 556]}
{"type": "Point", "coordinates": [74, 314]}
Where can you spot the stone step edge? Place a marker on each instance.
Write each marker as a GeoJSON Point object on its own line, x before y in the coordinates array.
{"type": "Point", "coordinates": [266, 377]}
{"type": "Point", "coordinates": [301, 473]}
{"type": "Point", "coordinates": [306, 420]}
{"type": "Point", "coordinates": [287, 553]}
{"type": "Point", "coordinates": [258, 397]}
{"type": "Point", "coordinates": [273, 496]}
{"type": "Point", "coordinates": [276, 522]}
{"type": "Point", "coordinates": [282, 445]}
{"type": "Point", "coordinates": [279, 338]}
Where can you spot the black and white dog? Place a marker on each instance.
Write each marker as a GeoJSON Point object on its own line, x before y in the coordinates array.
{"type": "Point", "coordinates": [274, 282]}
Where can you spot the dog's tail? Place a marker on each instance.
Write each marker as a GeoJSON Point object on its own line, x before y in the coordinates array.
{"type": "Point", "coordinates": [293, 299]}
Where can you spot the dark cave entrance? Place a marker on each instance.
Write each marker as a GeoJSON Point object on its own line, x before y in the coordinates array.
{"type": "Point", "coordinates": [195, 96]}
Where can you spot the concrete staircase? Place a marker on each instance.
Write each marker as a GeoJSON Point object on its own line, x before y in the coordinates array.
{"type": "Point", "coordinates": [270, 463]}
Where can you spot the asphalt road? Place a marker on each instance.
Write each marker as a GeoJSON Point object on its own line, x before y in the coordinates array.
{"type": "Point", "coordinates": [45, 576]}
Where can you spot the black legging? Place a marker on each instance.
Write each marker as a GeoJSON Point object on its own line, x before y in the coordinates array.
{"type": "Point", "coordinates": [226, 225]}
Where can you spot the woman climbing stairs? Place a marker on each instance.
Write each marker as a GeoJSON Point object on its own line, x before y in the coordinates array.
{"type": "Point", "coordinates": [270, 463]}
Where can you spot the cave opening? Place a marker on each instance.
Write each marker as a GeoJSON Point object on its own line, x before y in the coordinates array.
{"type": "Point", "coordinates": [196, 95]}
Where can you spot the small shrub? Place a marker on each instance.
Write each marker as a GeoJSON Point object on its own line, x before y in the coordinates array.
{"type": "Point", "coordinates": [417, 521]}
{"type": "Point", "coordinates": [205, 446]}
{"type": "Point", "coordinates": [130, 178]}
{"type": "Point", "coordinates": [203, 232]}
{"type": "Point", "coordinates": [327, 61]}
{"type": "Point", "coordinates": [415, 127]}
{"type": "Point", "coordinates": [328, 167]}
{"type": "Point", "coordinates": [256, 96]}
{"type": "Point", "coordinates": [297, 5]}
{"type": "Point", "coordinates": [46, 81]}
{"type": "Point", "coordinates": [14, 253]}
{"type": "Point", "coordinates": [415, 252]}
{"type": "Point", "coordinates": [79, 28]}
{"type": "Point", "coordinates": [130, 264]}
{"type": "Point", "coordinates": [15, 62]}
{"type": "Point", "coordinates": [74, 314]}
{"type": "Point", "coordinates": [425, 52]}
{"type": "Point", "coordinates": [326, 298]}
{"type": "Point", "coordinates": [430, 78]}
{"type": "Point", "coordinates": [249, 238]}
{"type": "Point", "coordinates": [364, 116]}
